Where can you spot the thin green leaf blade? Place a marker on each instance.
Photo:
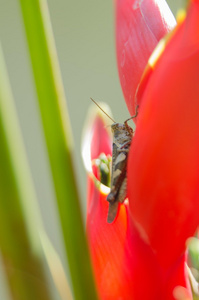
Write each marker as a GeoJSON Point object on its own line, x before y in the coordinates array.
{"type": "Point", "coordinates": [57, 131]}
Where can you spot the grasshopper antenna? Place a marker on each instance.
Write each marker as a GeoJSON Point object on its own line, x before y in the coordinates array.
{"type": "Point", "coordinates": [102, 110]}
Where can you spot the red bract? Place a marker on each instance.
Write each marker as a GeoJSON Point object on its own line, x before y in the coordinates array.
{"type": "Point", "coordinates": [141, 254]}
{"type": "Point", "coordinates": [125, 267]}
{"type": "Point", "coordinates": [140, 24]}
{"type": "Point", "coordinates": [106, 244]}
{"type": "Point", "coordinates": [163, 168]}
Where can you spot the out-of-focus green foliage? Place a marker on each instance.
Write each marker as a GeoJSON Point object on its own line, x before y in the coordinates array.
{"type": "Point", "coordinates": [19, 223]}
{"type": "Point", "coordinates": [58, 137]}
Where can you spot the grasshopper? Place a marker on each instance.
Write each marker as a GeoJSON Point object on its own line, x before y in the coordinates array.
{"type": "Point", "coordinates": [122, 137]}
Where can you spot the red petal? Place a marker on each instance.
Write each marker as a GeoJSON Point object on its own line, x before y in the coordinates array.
{"type": "Point", "coordinates": [124, 266]}
{"type": "Point", "coordinates": [103, 144]}
{"type": "Point", "coordinates": [106, 243]}
{"type": "Point", "coordinates": [96, 137]}
{"type": "Point", "coordinates": [139, 27]}
{"type": "Point", "coordinates": [163, 168]}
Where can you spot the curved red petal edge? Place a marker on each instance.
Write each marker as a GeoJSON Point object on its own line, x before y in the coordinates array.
{"type": "Point", "coordinates": [163, 165]}
{"type": "Point", "coordinates": [103, 144]}
{"type": "Point", "coordinates": [140, 24]}
{"type": "Point", "coordinates": [96, 138]}
{"type": "Point", "coordinates": [106, 243]}
{"type": "Point", "coordinates": [98, 145]}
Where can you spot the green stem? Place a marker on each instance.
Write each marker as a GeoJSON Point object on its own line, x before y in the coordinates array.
{"type": "Point", "coordinates": [59, 142]}
{"type": "Point", "coordinates": [19, 224]}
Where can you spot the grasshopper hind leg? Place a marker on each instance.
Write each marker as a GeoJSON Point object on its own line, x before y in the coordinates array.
{"type": "Point", "coordinates": [112, 211]}
{"type": "Point", "coordinates": [114, 204]}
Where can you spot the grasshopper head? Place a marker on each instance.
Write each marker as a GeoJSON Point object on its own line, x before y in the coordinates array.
{"type": "Point", "coordinates": [118, 129]}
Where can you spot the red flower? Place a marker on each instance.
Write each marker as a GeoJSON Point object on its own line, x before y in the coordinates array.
{"type": "Point", "coordinates": [123, 263]}
{"type": "Point", "coordinates": [141, 254]}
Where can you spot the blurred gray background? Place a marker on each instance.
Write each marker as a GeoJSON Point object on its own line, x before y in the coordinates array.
{"type": "Point", "coordinates": [84, 36]}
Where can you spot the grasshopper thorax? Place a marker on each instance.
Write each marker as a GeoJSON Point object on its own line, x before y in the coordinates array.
{"type": "Point", "coordinates": [122, 133]}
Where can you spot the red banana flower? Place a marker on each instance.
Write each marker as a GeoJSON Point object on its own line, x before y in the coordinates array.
{"type": "Point", "coordinates": [141, 254]}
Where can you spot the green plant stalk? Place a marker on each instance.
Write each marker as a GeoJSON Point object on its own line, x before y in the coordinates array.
{"type": "Point", "coordinates": [19, 224]}
{"type": "Point", "coordinates": [59, 142]}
